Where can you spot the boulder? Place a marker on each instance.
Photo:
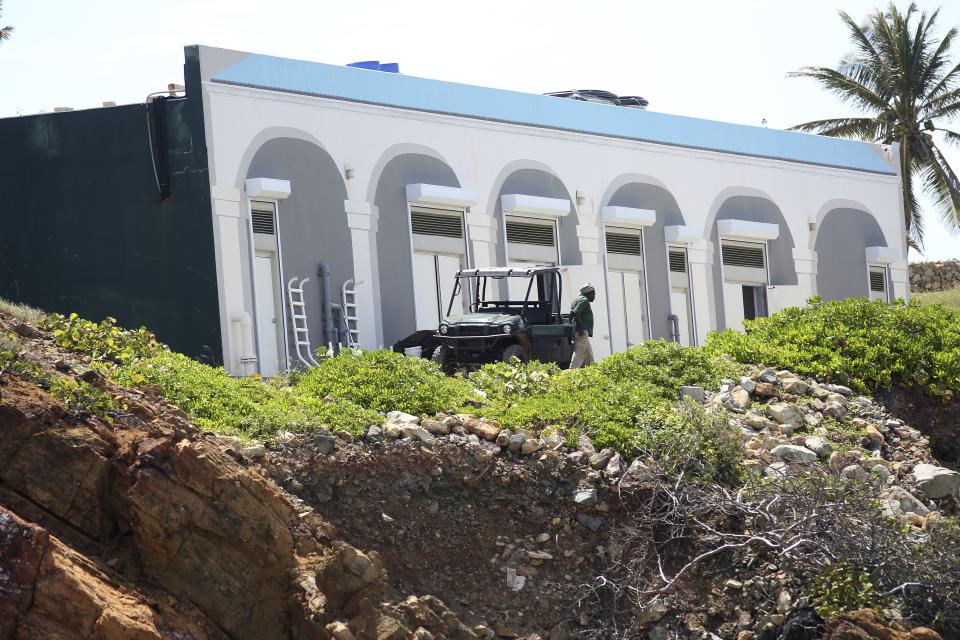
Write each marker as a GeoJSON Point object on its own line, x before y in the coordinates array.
{"type": "Point", "coordinates": [738, 400]}
{"type": "Point", "coordinates": [586, 497]}
{"type": "Point", "coordinates": [795, 386]}
{"type": "Point", "coordinates": [600, 459]}
{"type": "Point", "coordinates": [785, 413]}
{"type": "Point", "coordinates": [768, 375]}
{"type": "Point", "coordinates": [694, 393]}
{"type": "Point", "coordinates": [793, 453]}
{"type": "Point", "coordinates": [936, 482]}
{"type": "Point", "coordinates": [400, 418]}
{"type": "Point", "coordinates": [818, 445]}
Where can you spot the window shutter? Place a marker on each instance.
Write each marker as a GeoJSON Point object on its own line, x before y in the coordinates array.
{"type": "Point", "coordinates": [263, 222]}
{"type": "Point", "coordinates": [878, 281]}
{"type": "Point", "coordinates": [737, 255]}
{"type": "Point", "coordinates": [431, 222]}
{"type": "Point", "coordinates": [624, 243]}
{"type": "Point", "coordinates": [678, 261]}
{"type": "Point", "coordinates": [530, 233]}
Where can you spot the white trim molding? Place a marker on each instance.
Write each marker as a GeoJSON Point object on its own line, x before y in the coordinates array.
{"type": "Point", "coordinates": [882, 255]}
{"type": "Point", "coordinates": [747, 230]}
{"type": "Point", "coordinates": [268, 188]}
{"type": "Point", "coordinates": [439, 196]}
{"type": "Point", "coordinates": [628, 216]}
{"type": "Point", "coordinates": [681, 234]}
{"type": "Point", "coordinates": [519, 204]}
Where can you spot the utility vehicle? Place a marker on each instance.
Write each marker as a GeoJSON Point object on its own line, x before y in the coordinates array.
{"type": "Point", "coordinates": [527, 325]}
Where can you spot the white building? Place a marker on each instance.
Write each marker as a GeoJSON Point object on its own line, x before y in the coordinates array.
{"type": "Point", "coordinates": [395, 182]}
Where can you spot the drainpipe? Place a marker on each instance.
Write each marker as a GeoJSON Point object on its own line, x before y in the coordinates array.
{"type": "Point", "coordinates": [246, 353]}
{"type": "Point", "coordinates": [329, 330]}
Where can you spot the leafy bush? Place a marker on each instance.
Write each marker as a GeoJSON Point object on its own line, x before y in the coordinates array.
{"type": "Point", "coordinates": [104, 341]}
{"type": "Point", "coordinates": [384, 381]}
{"type": "Point", "coordinates": [865, 344]}
{"type": "Point", "coordinates": [77, 395]}
{"type": "Point", "coordinates": [500, 380]}
{"type": "Point", "coordinates": [841, 587]}
{"type": "Point", "coordinates": [244, 407]}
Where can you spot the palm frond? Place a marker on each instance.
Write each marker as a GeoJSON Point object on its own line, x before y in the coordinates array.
{"type": "Point", "coordinates": [943, 187]}
{"type": "Point", "coordinates": [857, 128]}
{"type": "Point", "coordinates": [912, 219]}
{"type": "Point", "coordinates": [951, 136]}
{"type": "Point", "coordinates": [844, 87]}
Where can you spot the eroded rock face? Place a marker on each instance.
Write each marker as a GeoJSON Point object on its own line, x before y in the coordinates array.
{"type": "Point", "coordinates": [226, 552]}
{"type": "Point", "coordinates": [866, 624]}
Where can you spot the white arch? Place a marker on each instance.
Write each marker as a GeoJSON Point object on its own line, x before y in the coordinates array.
{"type": "Point", "coordinates": [512, 167]}
{"type": "Point", "coordinates": [397, 150]}
{"type": "Point", "coordinates": [265, 136]}
{"type": "Point", "coordinates": [840, 203]}
{"type": "Point", "coordinates": [634, 178]}
{"type": "Point", "coordinates": [733, 192]}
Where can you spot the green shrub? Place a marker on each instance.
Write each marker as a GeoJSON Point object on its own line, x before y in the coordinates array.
{"type": "Point", "coordinates": [77, 395]}
{"type": "Point", "coordinates": [842, 586]}
{"type": "Point", "coordinates": [385, 381]}
{"type": "Point", "coordinates": [244, 407]}
{"type": "Point", "coordinates": [102, 342]}
{"type": "Point", "coordinates": [868, 345]}
{"type": "Point", "coordinates": [500, 381]}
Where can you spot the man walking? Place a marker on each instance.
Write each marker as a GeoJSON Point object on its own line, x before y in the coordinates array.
{"type": "Point", "coordinates": [583, 318]}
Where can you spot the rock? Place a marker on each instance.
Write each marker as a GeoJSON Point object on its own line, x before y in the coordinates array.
{"type": "Point", "coordinates": [836, 462]}
{"type": "Point", "coordinates": [374, 432]}
{"type": "Point", "coordinates": [585, 497]}
{"type": "Point", "coordinates": [784, 601]}
{"type": "Point", "coordinates": [768, 376]}
{"type": "Point", "coordinates": [346, 436]}
{"type": "Point", "coordinates": [436, 427]}
{"type": "Point", "coordinates": [936, 482]}
{"type": "Point", "coordinates": [503, 438]}
{"type": "Point", "coordinates": [855, 472]}
{"type": "Point", "coordinates": [793, 453]}
{"type": "Point", "coordinates": [651, 613]}
{"type": "Point", "coordinates": [584, 444]}
{"type": "Point", "coordinates": [600, 459]}
{"type": "Point", "coordinates": [254, 451]}
{"type": "Point", "coordinates": [323, 443]}
{"type": "Point", "coordinates": [638, 472]}
{"type": "Point", "coordinates": [874, 437]}
{"type": "Point", "coordinates": [835, 410]}
{"type": "Point", "coordinates": [553, 441]}
{"type": "Point", "coordinates": [765, 390]}
{"type": "Point", "coordinates": [421, 434]}
{"type": "Point", "coordinates": [482, 428]}
{"type": "Point", "coordinates": [590, 522]}
{"type": "Point", "coordinates": [795, 386]}
{"type": "Point", "coordinates": [400, 418]}
{"type": "Point", "coordinates": [516, 442]}
{"type": "Point", "coordinates": [758, 422]}
{"type": "Point", "coordinates": [694, 393]}
{"type": "Point", "coordinates": [738, 400]}
{"type": "Point", "coordinates": [515, 582]}
{"type": "Point", "coordinates": [777, 470]}
{"type": "Point", "coordinates": [747, 384]}
{"type": "Point", "coordinates": [838, 388]}
{"type": "Point", "coordinates": [531, 446]}
{"type": "Point", "coordinates": [614, 468]}
{"type": "Point", "coordinates": [340, 631]}
{"type": "Point", "coordinates": [818, 445]}
{"type": "Point", "coordinates": [485, 451]}
{"type": "Point", "coordinates": [785, 413]}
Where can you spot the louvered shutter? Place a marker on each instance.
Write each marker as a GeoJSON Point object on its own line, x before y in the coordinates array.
{"type": "Point", "coordinates": [530, 233]}
{"type": "Point", "coordinates": [624, 243]}
{"type": "Point", "coordinates": [742, 255]}
{"type": "Point", "coordinates": [678, 262]}
{"type": "Point", "coordinates": [263, 222]}
{"type": "Point", "coordinates": [878, 283]}
{"type": "Point", "coordinates": [433, 222]}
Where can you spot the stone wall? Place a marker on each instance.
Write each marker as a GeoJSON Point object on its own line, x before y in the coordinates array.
{"type": "Point", "coordinates": [934, 276]}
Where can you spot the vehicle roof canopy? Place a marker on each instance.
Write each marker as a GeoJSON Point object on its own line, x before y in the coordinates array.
{"type": "Point", "coordinates": [506, 272]}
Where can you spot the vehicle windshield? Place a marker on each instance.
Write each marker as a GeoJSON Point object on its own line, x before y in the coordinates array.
{"type": "Point", "coordinates": [514, 293]}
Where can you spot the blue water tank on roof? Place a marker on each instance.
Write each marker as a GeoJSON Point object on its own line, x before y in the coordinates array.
{"type": "Point", "coordinates": [374, 65]}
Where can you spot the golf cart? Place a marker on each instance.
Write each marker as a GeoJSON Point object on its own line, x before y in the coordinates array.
{"type": "Point", "coordinates": [492, 330]}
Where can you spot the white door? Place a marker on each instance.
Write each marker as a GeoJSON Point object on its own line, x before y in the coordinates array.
{"type": "Point", "coordinates": [733, 305]}
{"type": "Point", "coordinates": [618, 311]}
{"type": "Point", "coordinates": [268, 319]}
{"type": "Point", "coordinates": [434, 276]}
{"type": "Point", "coordinates": [628, 306]}
{"type": "Point", "coordinates": [680, 306]}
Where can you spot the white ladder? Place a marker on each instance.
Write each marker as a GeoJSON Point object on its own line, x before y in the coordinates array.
{"type": "Point", "coordinates": [349, 295]}
{"type": "Point", "coordinates": [298, 315]}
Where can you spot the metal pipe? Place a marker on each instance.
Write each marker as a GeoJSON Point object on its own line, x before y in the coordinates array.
{"type": "Point", "coordinates": [329, 329]}
{"type": "Point", "coordinates": [674, 327]}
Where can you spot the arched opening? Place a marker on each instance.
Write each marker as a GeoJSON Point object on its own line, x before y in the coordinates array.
{"type": "Point", "coordinates": [842, 239]}
{"type": "Point", "coordinates": [749, 258]}
{"type": "Point", "coordinates": [309, 226]}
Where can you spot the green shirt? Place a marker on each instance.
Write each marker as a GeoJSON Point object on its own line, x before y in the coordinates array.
{"type": "Point", "coordinates": [582, 305]}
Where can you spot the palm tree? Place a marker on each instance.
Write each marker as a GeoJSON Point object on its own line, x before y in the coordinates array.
{"type": "Point", "coordinates": [900, 74]}
{"type": "Point", "coordinates": [5, 32]}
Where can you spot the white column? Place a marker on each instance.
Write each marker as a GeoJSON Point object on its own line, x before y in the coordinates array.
{"type": "Point", "coordinates": [483, 239]}
{"type": "Point", "coordinates": [900, 278]}
{"type": "Point", "coordinates": [805, 264]}
{"type": "Point", "coordinates": [362, 220]}
{"type": "Point", "coordinates": [700, 257]}
{"type": "Point", "coordinates": [230, 247]}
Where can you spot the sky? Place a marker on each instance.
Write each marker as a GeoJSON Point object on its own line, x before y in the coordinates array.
{"type": "Point", "coordinates": [703, 58]}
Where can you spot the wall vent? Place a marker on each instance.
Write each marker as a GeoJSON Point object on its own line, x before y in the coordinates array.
{"type": "Point", "coordinates": [263, 222]}
{"type": "Point", "coordinates": [878, 281]}
{"type": "Point", "coordinates": [678, 261]}
{"type": "Point", "coordinates": [427, 222]}
{"type": "Point", "coordinates": [735, 255]}
{"type": "Point", "coordinates": [529, 233]}
{"type": "Point", "coordinates": [624, 243]}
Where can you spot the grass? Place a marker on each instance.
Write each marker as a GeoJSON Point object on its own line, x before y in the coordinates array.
{"type": "Point", "coordinates": [949, 299]}
{"type": "Point", "coordinates": [20, 312]}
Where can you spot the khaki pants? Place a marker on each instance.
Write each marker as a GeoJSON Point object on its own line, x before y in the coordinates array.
{"type": "Point", "coordinates": [582, 351]}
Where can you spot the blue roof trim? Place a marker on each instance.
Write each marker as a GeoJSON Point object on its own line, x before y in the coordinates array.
{"type": "Point", "coordinates": [435, 96]}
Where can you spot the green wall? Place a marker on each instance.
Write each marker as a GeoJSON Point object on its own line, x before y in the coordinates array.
{"type": "Point", "coordinates": [83, 227]}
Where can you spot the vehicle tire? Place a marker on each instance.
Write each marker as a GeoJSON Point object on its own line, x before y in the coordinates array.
{"type": "Point", "coordinates": [514, 350]}
{"type": "Point", "coordinates": [441, 356]}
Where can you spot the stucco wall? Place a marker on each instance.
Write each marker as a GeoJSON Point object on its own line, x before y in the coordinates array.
{"type": "Point", "coordinates": [841, 244]}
